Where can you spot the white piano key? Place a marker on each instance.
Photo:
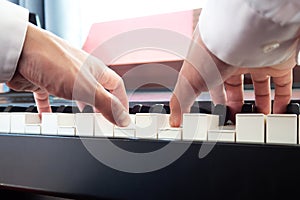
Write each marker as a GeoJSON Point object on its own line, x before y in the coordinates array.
{"type": "Point", "coordinates": [66, 120]}
{"type": "Point", "coordinates": [66, 131]}
{"type": "Point", "coordinates": [250, 128]}
{"type": "Point", "coordinates": [103, 127]}
{"type": "Point", "coordinates": [5, 122]}
{"type": "Point", "coordinates": [18, 121]}
{"type": "Point", "coordinates": [281, 129]}
{"type": "Point", "coordinates": [222, 134]}
{"type": "Point", "coordinates": [84, 124]}
{"type": "Point", "coordinates": [49, 123]}
{"type": "Point", "coordinates": [33, 129]}
{"type": "Point", "coordinates": [148, 124]}
{"type": "Point", "coordinates": [126, 132]}
{"type": "Point", "coordinates": [196, 126]}
{"type": "Point", "coordinates": [170, 133]}
{"type": "Point", "coordinates": [66, 124]}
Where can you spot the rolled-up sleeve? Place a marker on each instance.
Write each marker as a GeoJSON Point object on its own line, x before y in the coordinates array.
{"type": "Point", "coordinates": [13, 23]}
{"type": "Point", "coordinates": [251, 33]}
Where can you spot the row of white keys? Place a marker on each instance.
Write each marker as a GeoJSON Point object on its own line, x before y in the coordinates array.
{"type": "Point", "coordinates": [16, 122]}
{"type": "Point", "coordinates": [67, 124]}
{"type": "Point", "coordinates": [150, 125]}
{"type": "Point", "coordinates": [250, 128]}
{"type": "Point", "coordinates": [156, 126]}
{"type": "Point", "coordinates": [272, 129]}
{"type": "Point", "coordinates": [81, 124]}
{"type": "Point", "coordinates": [143, 125]}
{"type": "Point", "coordinates": [20, 123]}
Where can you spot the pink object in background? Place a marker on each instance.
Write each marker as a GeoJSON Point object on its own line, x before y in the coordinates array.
{"type": "Point", "coordinates": [179, 22]}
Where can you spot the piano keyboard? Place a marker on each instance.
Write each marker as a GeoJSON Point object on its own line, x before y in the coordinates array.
{"type": "Point", "coordinates": [256, 158]}
{"type": "Point", "coordinates": [152, 122]}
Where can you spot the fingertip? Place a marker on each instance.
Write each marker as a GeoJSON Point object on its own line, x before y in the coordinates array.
{"type": "Point", "coordinates": [112, 109]}
{"type": "Point", "coordinates": [42, 101]}
{"type": "Point", "coordinates": [175, 116]}
{"type": "Point", "coordinates": [123, 120]}
{"type": "Point", "coordinates": [175, 120]}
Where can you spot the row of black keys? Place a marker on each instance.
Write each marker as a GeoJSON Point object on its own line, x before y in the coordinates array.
{"type": "Point", "coordinates": [158, 108]}
{"type": "Point", "coordinates": [221, 110]}
{"type": "Point", "coordinates": [138, 108]}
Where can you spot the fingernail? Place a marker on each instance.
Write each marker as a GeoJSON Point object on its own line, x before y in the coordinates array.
{"type": "Point", "coordinates": [124, 119]}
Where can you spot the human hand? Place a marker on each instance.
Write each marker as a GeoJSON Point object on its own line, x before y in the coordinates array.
{"type": "Point", "coordinates": [282, 77]}
{"type": "Point", "coordinates": [202, 71]}
{"type": "Point", "coordinates": [49, 65]}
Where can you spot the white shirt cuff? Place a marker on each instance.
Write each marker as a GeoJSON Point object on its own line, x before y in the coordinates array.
{"type": "Point", "coordinates": [13, 23]}
{"type": "Point", "coordinates": [243, 35]}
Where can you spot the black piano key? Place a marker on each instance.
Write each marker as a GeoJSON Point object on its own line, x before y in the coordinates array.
{"type": "Point", "coordinates": [32, 109]}
{"type": "Point", "coordinates": [75, 109]}
{"type": "Point", "coordinates": [15, 109]}
{"type": "Point", "coordinates": [60, 109]}
{"type": "Point", "coordinates": [68, 109]}
{"type": "Point", "coordinates": [223, 112]}
{"type": "Point", "coordinates": [195, 109]}
{"type": "Point", "coordinates": [2, 109]}
{"type": "Point", "coordinates": [198, 109]}
{"type": "Point", "coordinates": [88, 109]}
{"type": "Point", "coordinates": [136, 109]}
{"type": "Point", "coordinates": [8, 109]}
{"type": "Point", "coordinates": [167, 109]}
{"type": "Point", "coordinates": [160, 108]}
{"type": "Point", "coordinates": [145, 109]}
{"type": "Point", "coordinates": [157, 108]}
{"type": "Point", "coordinates": [248, 108]}
{"type": "Point", "coordinates": [54, 108]}
{"type": "Point", "coordinates": [71, 109]}
{"type": "Point", "coordinates": [293, 108]}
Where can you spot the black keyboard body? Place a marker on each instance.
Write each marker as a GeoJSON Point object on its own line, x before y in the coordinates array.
{"type": "Point", "coordinates": [62, 167]}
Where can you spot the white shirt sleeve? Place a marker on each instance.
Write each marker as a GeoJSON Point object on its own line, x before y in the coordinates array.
{"type": "Point", "coordinates": [13, 23]}
{"type": "Point", "coordinates": [251, 33]}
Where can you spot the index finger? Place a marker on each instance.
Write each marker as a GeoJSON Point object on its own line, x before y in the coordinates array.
{"type": "Point", "coordinates": [111, 81]}
{"type": "Point", "coordinates": [42, 101]}
{"type": "Point", "coordinates": [184, 93]}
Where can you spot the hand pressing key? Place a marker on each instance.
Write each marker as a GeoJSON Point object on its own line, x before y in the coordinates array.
{"type": "Point", "coordinates": [232, 43]}
{"type": "Point", "coordinates": [49, 65]}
